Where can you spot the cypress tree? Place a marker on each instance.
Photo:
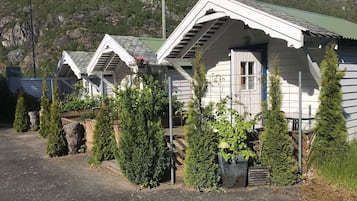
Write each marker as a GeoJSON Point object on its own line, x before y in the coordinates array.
{"type": "Point", "coordinates": [200, 168]}
{"type": "Point", "coordinates": [330, 130]}
{"type": "Point", "coordinates": [142, 148]}
{"type": "Point", "coordinates": [21, 122]}
{"type": "Point", "coordinates": [277, 145]}
{"type": "Point", "coordinates": [57, 143]}
{"type": "Point", "coordinates": [103, 137]}
{"type": "Point", "coordinates": [45, 111]}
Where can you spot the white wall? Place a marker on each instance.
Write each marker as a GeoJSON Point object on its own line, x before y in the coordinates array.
{"type": "Point", "coordinates": [348, 61]}
{"type": "Point", "coordinates": [181, 88]}
{"type": "Point", "coordinates": [291, 61]}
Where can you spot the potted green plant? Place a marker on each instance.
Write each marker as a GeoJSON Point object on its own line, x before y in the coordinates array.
{"type": "Point", "coordinates": [233, 151]}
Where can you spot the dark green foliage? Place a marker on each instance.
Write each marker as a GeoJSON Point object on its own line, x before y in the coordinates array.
{"type": "Point", "coordinates": [57, 143]}
{"type": "Point", "coordinates": [7, 102]}
{"type": "Point", "coordinates": [21, 122]}
{"type": "Point", "coordinates": [200, 170]}
{"type": "Point", "coordinates": [277, 145]}
{"type": "Point", "coordinates": [142, 148]}
{"type": "Point", "coordinates": [103, 137]}
{"type": "Point", "coordinates": [330, 129]}
{"type": "Point", "coordinates": [79, 100]}
{"type": "Point", "coordinates": [233, 135]}
{"type": "Point", "coordinates": [45, 111]}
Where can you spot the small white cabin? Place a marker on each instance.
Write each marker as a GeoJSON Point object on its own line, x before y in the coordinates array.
{"type": "Point", "coordinates": [240, 39]}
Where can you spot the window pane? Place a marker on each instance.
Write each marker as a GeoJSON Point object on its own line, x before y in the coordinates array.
{"type": "Point", "coordinates": [244, 83]}
{"type": "Point", "coordinates": [242, 68]}
{"type": "Point", "coordinates": [251, 68]}
{"type": "Point", "coordinates": [251, 81]}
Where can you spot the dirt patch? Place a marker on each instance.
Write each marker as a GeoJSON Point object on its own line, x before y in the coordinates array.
{"type": "Point", "coordinates": [316, 188]}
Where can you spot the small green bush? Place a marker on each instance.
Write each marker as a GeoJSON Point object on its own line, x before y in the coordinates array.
{"type": "Point", "coordinates": [277, 145]}
{"type": "Point", "coordinates": [200, 170]}
{"type": "Point", "coordinates": [57, 143]}
{"type": "Point", "coordinates": [45, 116]}
{"type": "Point", "coordinates": [79, 100]}
{"type": "Point", "coordinates": [103, 138]}
{"type": "Point", "coordinates": [21, 122]}
{"type": "Point", "coordinates": [330, 130]}
{"type": "Point", "coordinates": [142, 154]}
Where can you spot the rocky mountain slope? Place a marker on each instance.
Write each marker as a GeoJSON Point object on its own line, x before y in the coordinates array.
{"type": "Point", "coordinates": [75, 25]}
{"type": "Point", "coordinates": [81, 24]}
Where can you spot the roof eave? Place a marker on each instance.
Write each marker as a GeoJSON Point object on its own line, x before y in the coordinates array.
{"type": "Point", "coordinates": [273, 26]}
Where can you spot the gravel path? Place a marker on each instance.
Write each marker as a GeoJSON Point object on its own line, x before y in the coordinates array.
{"type": "Point", "coordinates": [27, 173]}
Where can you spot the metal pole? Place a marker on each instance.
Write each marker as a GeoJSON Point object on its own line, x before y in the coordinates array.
{"type": "Point", "coordinates": [163, 16]}
{"type": "Point", "coordinates": [52, 88]}
{"type": "Point", "coordinates": [231, 85]}
{"type": "Point", "coordinates": [102, 86]}
{"type": "Point", "coordinates": [33, 42]}
{"type": "Point", "coordinates": [300, 124]}
{"type": "Point", "coordinates": [171, 133]}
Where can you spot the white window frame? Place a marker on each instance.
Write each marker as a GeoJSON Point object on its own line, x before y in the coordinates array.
{"type": "Point", "coordinates": [245, 86]}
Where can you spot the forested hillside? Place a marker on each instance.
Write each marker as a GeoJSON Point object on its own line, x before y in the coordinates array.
{"type": "Point", "coordinates": [81, 24]}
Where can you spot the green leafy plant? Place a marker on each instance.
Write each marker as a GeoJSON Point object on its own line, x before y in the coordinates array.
{"type": "Point", "coordinates": [45, 111]}
{"type": "Point", "coordinates": [233, 134]}
{"type": "Point", "coordinates": [79, 100]}
{"type": "Point", "coordinates": [277, 145]}
{"type": "Point", "coordinates": [330, 130]}
{"type": "Point", "coordinates": [200, 169]}
{"type": "Point", "coordinates": [57, 143]}
{"type": "Point", "coordinates": [142, 153]}
{"type": "Point", "coordinates": [103, 138]}
{"type": "Point", "coordinates": [21, 122]}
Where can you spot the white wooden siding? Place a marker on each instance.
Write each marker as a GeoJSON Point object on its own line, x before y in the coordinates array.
{"type": "Point", "coordinates": [349, 90]}
{"type": "Point", "coordinates": [182, 88]}
{"type": "Point", "coordinates": [218, 78]}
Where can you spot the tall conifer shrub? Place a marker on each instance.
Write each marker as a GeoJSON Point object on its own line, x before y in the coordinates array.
{"type": "Point", "coordinates": [277, 147]}
{"type": "Point", "coordinates": [103, 138]}
{"type": "Point", "coordinates": [21, 122]}
{"type": "Point", "coordinates": [331, 132]}
{"type": "Point", "coordinates": [200, 170]}
{"type": "Point", "coordinates": [57, 143]}
{"type": "Point", "coordinates": [45, 111]}
{"type": "Point", "coordinates": [142, 154]}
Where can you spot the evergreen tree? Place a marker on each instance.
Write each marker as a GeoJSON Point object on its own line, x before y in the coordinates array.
{"type": "Point", "coordinates": [330, 130]}
{"type": "Point", "coordinates": [277, 145]}
{"type": "Point", "coordinates": [142, 148]}
{"type": "Point", "coordinates": [57, 143]}
{"type": "Point", "coordinates": [103, 138]}
{"type": "Point", "coordinates": [21, 122]}
{"type": "Point", "coordinates": [45, 111]}
{"type": "Point", "coordinates": [200, 170]}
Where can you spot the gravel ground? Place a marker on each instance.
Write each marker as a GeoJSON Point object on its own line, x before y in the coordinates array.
{"type": "Point", "coordinates": [27, 173]}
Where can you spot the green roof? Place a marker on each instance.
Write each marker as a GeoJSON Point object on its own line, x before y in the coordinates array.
{"type": "Point", "coordinates": [153, 43]}
{"type": "Point", "coordinates": [342, 27]}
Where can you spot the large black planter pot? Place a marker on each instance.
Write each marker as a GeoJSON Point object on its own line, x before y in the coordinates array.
{"type": "Point", "coordinates": [233, 172]}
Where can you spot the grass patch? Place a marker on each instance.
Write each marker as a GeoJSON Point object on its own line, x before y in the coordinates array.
{"type": "Point", "coordinates": [342, 170]}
